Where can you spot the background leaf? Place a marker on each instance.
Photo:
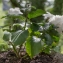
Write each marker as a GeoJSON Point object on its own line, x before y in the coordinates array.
{"type": "Point", "coordinates": [48, 39]}
{"type": "Point", "coordinates": [6, 36]}
{"type": "Point", "coordinates": [36, 13]}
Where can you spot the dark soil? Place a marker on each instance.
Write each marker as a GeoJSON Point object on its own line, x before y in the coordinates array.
{"type": "Point", "coordinates": [10, 57]}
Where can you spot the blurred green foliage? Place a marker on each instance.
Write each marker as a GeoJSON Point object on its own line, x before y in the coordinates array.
{"type": "Point", "coordinates": [58, 5]}
{"type": "Point", "coordinates": [3, 45]}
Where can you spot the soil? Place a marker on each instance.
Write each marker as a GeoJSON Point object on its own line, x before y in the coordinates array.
{"type": "Point", "coordinates": [10, 57]}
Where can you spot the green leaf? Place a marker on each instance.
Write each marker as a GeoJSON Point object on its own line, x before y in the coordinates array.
{"type": "Point", "coordinates": [36, 13]}
{"type": "Point", "coordinates": [34, 27]}
{"type": "Point", "coordinates": [53, 33]}
{"type": "Point", "coordinates": [15, 34]}
{"type": "Point", "coordinates": [47, 49]}
{"type": "Point", "coordinates": [56, 38]}
{"type": "Point", "coordinates": [3, 26]}
{"type": "Point", "coordinates": [33, 7]}
{"type": "Point", "coordinates": [3, 17]}
{"type": "Point", "coordinates": [48, 39]}
{"type": "Point", "coordinates": [20, 37]}
{"type": "Point", "coordinates": [6, 36]}
{"type": "Point", "coordinates": [33, 46]}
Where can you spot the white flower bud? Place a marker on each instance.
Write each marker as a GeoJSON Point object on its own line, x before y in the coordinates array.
{"type": "Point", "coordinates": [36, 40]}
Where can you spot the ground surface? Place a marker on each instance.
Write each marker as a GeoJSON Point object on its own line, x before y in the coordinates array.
{"type": "Point", "coordinates": [9, 57]}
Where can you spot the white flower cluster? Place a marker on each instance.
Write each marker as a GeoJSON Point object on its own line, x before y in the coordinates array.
{"type": "Point", "coordinates": [57, 20]}
{"type": "Point", "coordinates": [23, 3]}
{"type": "Point", "coordinates": [26, 5]}
{"type": "Point", "coordinates": [14, 11]}
{"type": "Point", "coordinates": [47, 15]}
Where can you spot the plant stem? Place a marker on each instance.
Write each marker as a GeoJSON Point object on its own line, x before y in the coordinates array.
{"type": "Point", "coordinates": [15, 50]}
{"type": "Point", "coordinates": [19, 48]}
{"type": "Point", "coordinates": [26, 14]}
{"type": "Point", "coordinates": [25, 23]}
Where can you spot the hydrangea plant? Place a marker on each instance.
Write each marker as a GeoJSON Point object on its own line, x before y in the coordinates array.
{"type": "Point", "coordinates": [36, 37]}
